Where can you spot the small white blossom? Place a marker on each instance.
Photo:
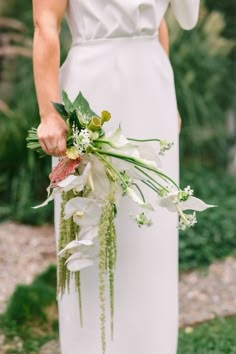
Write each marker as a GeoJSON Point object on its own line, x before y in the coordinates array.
{"type": "Point", "coordinates": [191, 221]}
{"type": "Point", "coordinates": [165, 146]}
{"type": "Point", "coordinates": [142, 220]}
{"type": "Point", "coordinates": [188, 190]}
{"type": "Point", "coordinates": [185, 194]}
{"type": "Point", "coordinates": [82, 139]}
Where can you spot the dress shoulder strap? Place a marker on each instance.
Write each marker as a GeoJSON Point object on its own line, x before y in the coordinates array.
{"type": "Point", "coordinates": [186, 12]}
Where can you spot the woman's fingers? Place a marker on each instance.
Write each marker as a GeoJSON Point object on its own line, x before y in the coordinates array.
{"type": "Point", "coordinates": [52, 135]}
{"type": "Point", "coordinates": [43, 146]}
{"type": "Point", "coordinates": [62, 146]}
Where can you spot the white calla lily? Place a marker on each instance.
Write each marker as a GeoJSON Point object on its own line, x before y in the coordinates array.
{"type": "Point", "coordinates": [101, 185]}
{"type": "Point", "coordinates": [149, 153]}
{"type": "Point", "coordinates": [192, 203]}
{"type": "Point", "coordinates": [117, 139]}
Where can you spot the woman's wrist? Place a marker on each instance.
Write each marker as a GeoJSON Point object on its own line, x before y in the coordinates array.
{"type": "Point", "coordinates": [48, 115]}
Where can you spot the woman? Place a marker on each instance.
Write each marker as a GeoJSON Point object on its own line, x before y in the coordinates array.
{"type": "Point", "coordinates": [118, 62]}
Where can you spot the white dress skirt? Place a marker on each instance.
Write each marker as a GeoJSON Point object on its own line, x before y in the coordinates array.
{"type": "Point", "coordinates": [118, 63]}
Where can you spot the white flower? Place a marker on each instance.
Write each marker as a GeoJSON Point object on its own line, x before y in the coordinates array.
{"type": "Point", "coordinates": [118, 140]}
{"type": "Point", "coordinates": [149, 154]}
{"type": "Point", "coordinates": [188, 190]}
{"type": "Point", "coordinates": [83, 254]}
{"type": "Point", "coordinates": [81, 139]}
{"type": "Point", "coordinates": [85, 211]}
{"type": "Point", "coordinates": [192, 203]}
{"type": "Point", "coordinates": [190, 220]}
{"type": "Point", "coordinates": [185, 194]}
{"type": "Point", "coordinates": [142, 220]}
{"type": "Point", "coordinates": [165, 146]}
{"type": "Point", "coordinates": [98, 179]}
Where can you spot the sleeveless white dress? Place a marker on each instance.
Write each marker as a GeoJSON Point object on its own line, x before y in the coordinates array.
{"type": "Point", "coordinates": [118, 63]}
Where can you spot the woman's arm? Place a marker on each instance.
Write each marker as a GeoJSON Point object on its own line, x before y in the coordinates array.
{"type": "Point", "coordinates": [164, 40]}
{"type": "Point", "coordinates": [47, 15]}
{"type": "Point", "coordinates": [164, 36]}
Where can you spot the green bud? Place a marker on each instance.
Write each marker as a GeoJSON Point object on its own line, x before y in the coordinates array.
{"type": "Point", "coordinates": [105, 116]}
{"type": "Point", "coordinates": [95, 124]}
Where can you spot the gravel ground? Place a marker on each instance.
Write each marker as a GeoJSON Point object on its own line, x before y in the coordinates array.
{"type": "Point", "coordinates": [26, 251]}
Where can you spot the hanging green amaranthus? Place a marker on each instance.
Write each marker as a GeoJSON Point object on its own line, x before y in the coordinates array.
{"type": "Point", "coordinates": [107, 260]}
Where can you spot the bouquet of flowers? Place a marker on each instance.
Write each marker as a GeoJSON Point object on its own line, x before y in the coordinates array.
{"type": "Point", "coordinates": [98, 169]}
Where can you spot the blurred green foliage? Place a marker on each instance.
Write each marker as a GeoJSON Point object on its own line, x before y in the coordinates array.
{"type": "Point", "coordinates": [214, 236]}
{"type": "Point", "coordinates": [213, 337]}
{"type": "Point", "coordinates": [29, 308]}
{"type": "Point", "coordinates": [205, 87]}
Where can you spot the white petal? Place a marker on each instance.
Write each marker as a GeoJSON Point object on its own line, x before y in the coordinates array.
{"type": "Point", "coordinates": [150, 151]}
{"type": "Point", "coordinates": [117, 138]}
{"type": "Point", "coordinates": [73, 181]}
{"type": "Point", "coordinates": [75, 263]}
{"type": "Point", "coordinates": [193, 203]}
{"type": "Point", "coordinates": [149, 163]}
{"type": "Point", "coordinates": [49, 199]}
{"type": "Point", "coordinates": [100, 179]}
{"type": "Point", "coordinates": [168, 202]}
{"type": "Point", "coordinates": [74, 246]}
{"type": "Point", "coordinates": [74, 205]}
{"type": "Point", "coordinates": [89, 208]}
{"type": "Point", "coordinates": [132, 194]}
{"type": "Point", "coordinates": [88, 233]}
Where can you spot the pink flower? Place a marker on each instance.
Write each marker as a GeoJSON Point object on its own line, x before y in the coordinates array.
{"type": "Point", "coordinates": [64, 168]}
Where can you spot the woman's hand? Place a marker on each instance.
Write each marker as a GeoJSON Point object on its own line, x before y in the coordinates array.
{"type": "Point", "coordinates": [52, 133]}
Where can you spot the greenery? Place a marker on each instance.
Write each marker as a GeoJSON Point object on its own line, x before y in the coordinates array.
{"type": "Point", "coordinates": [214, 235]}
{"type": "Point", "coordinates": [213, 337]}
{"type": "Point", "coordinates": [31, 313]}
{"type": "Point", "coordinates": [202, 102]}
{"type": "Point", "coordinates": [23, 177]}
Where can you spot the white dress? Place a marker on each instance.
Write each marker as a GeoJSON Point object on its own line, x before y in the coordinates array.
{"type": "Point", "coordinates": [118, 63]}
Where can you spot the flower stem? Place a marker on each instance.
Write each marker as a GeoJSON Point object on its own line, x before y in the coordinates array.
{"type": "Point", "coordinates": [140, 191]}
{"type": "Point", "coordinates": [112, 168]}
{"type": "Point", "coordinates": [147, 175]}
{"type": "Point", "coordinates": [139, 163]}
{"type": "Point", "coordinates": [143, 140]}
{"type": "Point", "coordinates": [150, 185]}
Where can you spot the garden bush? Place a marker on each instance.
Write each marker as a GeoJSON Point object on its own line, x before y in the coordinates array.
{"type": "Point", "coordinates": [213, 337]}
{"type": "Point", "coordinates": [214, 236]}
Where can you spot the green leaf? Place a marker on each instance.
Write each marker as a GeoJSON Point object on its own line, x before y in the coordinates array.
{"type": "Point", "coordinates": [67, 102]}
{"type": "Point", "coordinates": [73, 120]}
{"type": "Point", "coordinates": [60, 108]}
{"type": "Point", "coordinates": [82, 106]}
